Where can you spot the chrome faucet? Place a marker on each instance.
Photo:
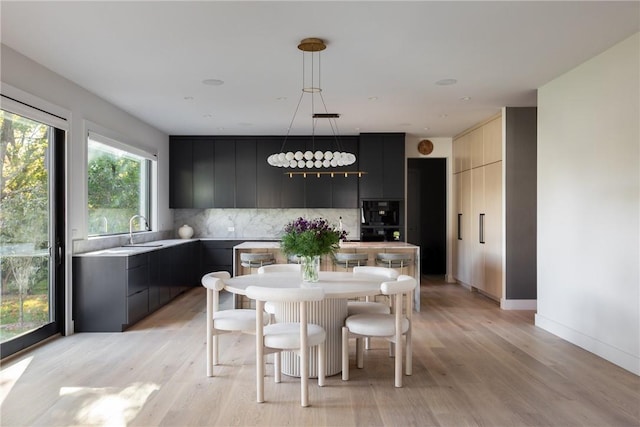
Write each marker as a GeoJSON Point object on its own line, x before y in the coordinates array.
{"type": "Point", "coordinates": [146, 226]}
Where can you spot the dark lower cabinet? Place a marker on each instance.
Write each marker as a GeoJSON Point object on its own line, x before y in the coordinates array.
{"type": "Point", "coordinates": [111, 293]}
{"type": "Point", "coordinates": [217, 255]}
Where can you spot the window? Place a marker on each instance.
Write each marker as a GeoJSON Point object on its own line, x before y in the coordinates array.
{"type": "Point", "coordinates": [31, 226]}
{"type": "Point", "coordinates": [119, 186]}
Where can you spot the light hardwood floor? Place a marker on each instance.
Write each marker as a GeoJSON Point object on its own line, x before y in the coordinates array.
{"type": "Point", "coordinates": [474, 364]}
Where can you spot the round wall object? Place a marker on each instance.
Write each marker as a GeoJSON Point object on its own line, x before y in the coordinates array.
{"type": "Point", "coordinates": [425, 147]}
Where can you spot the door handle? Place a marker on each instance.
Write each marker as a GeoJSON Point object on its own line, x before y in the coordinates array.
{"type": "Point", "coordinates": [459, 226]}
{"type": "Point", "coordinates": [481, 229]}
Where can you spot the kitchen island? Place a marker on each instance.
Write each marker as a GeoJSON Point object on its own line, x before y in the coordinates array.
{"type": "Point", "coordinates": [372, 249]}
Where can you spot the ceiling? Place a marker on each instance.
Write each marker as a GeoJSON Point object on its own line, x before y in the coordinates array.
{"type": "Point", "coordinates": [379, 70]}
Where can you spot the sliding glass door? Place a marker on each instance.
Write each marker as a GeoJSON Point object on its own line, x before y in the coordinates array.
{"type": "Point", "coordinates": [31, 224]}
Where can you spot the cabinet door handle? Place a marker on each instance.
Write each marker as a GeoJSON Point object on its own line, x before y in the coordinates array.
{"type": "Point", "coordinates": [481, 229]}
{"type": "Point", "coordinates": [459, 226]}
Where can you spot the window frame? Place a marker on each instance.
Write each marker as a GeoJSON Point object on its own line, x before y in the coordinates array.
{"type": "Point", "coordinates": [148, 159]}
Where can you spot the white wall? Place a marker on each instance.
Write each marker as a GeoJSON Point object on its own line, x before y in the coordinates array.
{"type": "Point", "coordinates": [29, 82]}
{"type": "Point", "coordinates": [589, 205]}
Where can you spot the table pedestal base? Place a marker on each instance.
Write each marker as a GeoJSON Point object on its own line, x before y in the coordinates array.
{"type": "Point", "coordinates": [328, 313]}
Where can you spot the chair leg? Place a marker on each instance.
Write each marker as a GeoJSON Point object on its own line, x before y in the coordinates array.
{"type": "Point", "coordinates": [304, 376]}
{"type": "Point", "coordinates": [259, 353]}
{"type": "Point", "coordinates": [210, 360]}
{"type": "Point", "coordinates": [322, 363]}
{"type": "Point", "coordinates": [409, 358]}
{"type": "Point", "coordinates": [214, 341]}
{"type": "Point", "coordinates": [260, 374]}
{"type": "Point", "coordinates": [345, 353]}
{"type": "Point", "coordinates": [277, 367]}
{"type": "Point", "coordinates": [398, 362]}
{"type": "Point", "coordinates": [209, 356]}
{"type": "Point", "coordinates": [359, 353]}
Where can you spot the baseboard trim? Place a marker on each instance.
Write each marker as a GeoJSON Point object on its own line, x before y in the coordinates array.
{"type": "Point", "coordinates": [518, 304]}
{"type": "Point", "coordinates": [614, 355]}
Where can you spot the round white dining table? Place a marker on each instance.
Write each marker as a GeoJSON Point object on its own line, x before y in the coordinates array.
{"type": "Point", "coordinates": [329, 313]}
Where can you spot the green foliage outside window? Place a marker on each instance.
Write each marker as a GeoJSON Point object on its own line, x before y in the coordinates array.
{"type": "Point", "coordinates": [24, 225]}
{"type": "Point", "coordinates": [117, 187]}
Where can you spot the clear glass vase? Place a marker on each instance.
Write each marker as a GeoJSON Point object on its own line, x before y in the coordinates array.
{"type": "Point", "coordinates": [310, 266]}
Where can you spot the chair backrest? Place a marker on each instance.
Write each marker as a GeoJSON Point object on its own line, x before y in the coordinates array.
{"type": "Point", "coordinates": [378, 271]}
{"type": "Point", "coordinates": [279, 268]}
{"type": "Point", "coordinates": [214, 281]}
{"type": "Point", "coordinates": [348, 259]}
{"type": "Point", "coordinates": [256, 256]}
{"type": "Point", "coordinates": [404, 286]}
{"type": "Point", "coordinates": [285, 294]}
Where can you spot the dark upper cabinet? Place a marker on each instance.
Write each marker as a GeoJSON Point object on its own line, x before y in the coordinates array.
{"type": "Point", "coordinates": [246, 183]}
{"type": "Point", "coordinates": [181, 173]}
{"type": "Point", "coordinates": [344, 189]}
{"type": "Point", "coordinates": [382, 157]}
{"type": "Point", "coordinates": [228, 172]}
{"type": "Point", "coordinates": [224, 177]}
{"type": "Point", "coordinates": [269, 178]}
{"type": "Point", "coordinates": [203, 173]}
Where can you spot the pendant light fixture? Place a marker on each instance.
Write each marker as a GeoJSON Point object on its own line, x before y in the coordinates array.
{"type": "Point", "coordinates": [312, 159]}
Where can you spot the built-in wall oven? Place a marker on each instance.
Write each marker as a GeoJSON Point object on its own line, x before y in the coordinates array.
{"type": "Point", "coordinates": [381, 220]}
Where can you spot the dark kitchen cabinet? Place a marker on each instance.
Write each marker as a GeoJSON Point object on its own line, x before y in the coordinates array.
{"type": "Point", "coordinates": [224, 177]}
{"type": "Point", "coordinates": [217, 255]}
{"type": "Point", "coordinates": [269, 178]}
{"type": "Point", "coordinates": [181, 173]}
{"type": "Point", "coordinates": [246, 178]}
{"type": "Point", "coordinates": [344, 189]}
{"type": "Point", "coordinates": [111, 293]}
{"type": "Point", "coordinates": [227, 172]}
{"type": "Point", "coordinates": [203, 173]}
{"type": "Point", "coordinates": [382, 156]}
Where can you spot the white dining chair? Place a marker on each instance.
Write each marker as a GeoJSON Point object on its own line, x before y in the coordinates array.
{"type": "Point", "coordinates": [369, 306]}
{"type": "Point", "coordinates": [269, 307]}
{"type": "Point", "coordinates": [390, 326]}
{"type": "Point", "coordinates": [222, 321]}
{"type": "Point", "coordinates": [290, 336]}
{"type": "Point", "coordinates": [279, 268]}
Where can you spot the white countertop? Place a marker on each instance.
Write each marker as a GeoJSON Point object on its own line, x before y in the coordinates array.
{"type": "Point", "coordinates": [138, 248]}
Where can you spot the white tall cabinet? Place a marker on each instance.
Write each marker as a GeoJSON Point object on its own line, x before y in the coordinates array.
{"type": "Point", "coordinates": [478, 246]}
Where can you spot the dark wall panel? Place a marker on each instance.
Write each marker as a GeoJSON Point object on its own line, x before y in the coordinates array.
{"type": "Point", "coordinates": [521, 193]}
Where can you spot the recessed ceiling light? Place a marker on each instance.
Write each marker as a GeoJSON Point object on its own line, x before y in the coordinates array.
{"type": "Point", "coordinates": [442, 116]}
{"type": "Point", "coordinates": [281, 98]}
{"type": "Point", "coordinates": [188, 98]}
{"type": "Point", "coordinates": [446, 82]}
{"type": "Point", "coordinates": [213, 82]}
{"type": "Point", "coordinates": [465, 98]}
{"type": "Point", "coordinates": [373, 98]}
{"type": "Point", "coordinates": [425, 128]}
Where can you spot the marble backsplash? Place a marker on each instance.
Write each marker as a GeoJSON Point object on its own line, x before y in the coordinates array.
{"type": "Point", "coordinates": [258, 224]}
